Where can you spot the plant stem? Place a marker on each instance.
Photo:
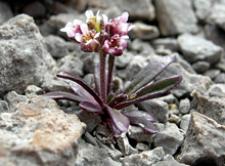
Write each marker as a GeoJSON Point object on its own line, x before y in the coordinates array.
{"type": "Point", "coordinates": [102, 72]}
{"type": "Point", "coordinates": [110, 72]}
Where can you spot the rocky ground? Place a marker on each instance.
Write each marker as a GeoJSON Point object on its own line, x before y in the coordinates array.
{"type": "Point", "coordinates": [37, 131]}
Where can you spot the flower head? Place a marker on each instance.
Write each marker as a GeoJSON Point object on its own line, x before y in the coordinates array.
{"type": "Point", "coordinates": [99, 33]}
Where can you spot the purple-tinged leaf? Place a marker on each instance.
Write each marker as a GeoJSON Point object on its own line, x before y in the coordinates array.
{"type": "Point", "coordinates": [64, 95]}
{"type": "Point", "coordinates": [82, 84]}
{"type": "Point", "coordinates": [142, 119]}
{"type": "Point", "coordinates": [140, 99]}
{"type": "Point", "coordinates": [117, 99]}
{"type": "Point", "coordinates": [155, 67]}
{"type": "Point", "coordinates": [160, 85]}
{"type": "Point", "coordinates": [119, 122]}
{"type": "Point", "coordinates": [90, 107]}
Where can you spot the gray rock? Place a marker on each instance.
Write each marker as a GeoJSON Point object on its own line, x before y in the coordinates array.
{"type": "Point", "coordinates": [204, 139]}
{"type": "Point", "coordinates": [135, 65]}
{"type": "Point", "coordinates": [189, 82]}
{"type": "Point", "coordinates": [138, 9]}
{"type": "Point", "coordinates": [32, 89]}
{"type": "Point", "coordinates": [157, 108]}
{"type": "Point", "coordinates": [201, 66]}
{"type": "Point", "coordinates": [217, 90]}
{"type": "Point", "coordinates": [221, 65]}
{"type": "Point", "coordinates": [145, 158]}
{"type": "Point", "coordinates": [212, 73]}
{"type": "Point", "coordinates": [184, 123]}
{"type": "Point", "coordinates": [23, 57]}
{"type": "Point", "coordinates": [39, 133]}
{"type": "Point", "coordinates": [170, 15]}
{"type": "Point", "coordinates": [167, 43]}
{"type": "Point", "coordinates": [195, 48]}
{"type": "Point", "coordinates": [212, 107]}
{"type": "Point", "coordinates": [90, 155]}
{"type": "Point", "coordinates": [124, 145]}
{"type": "Point", "coordinates": [215, 34]}
{"type": "Point", "coordinates": [139, 135]}
{"type": "Point", "coordinates": [35, 9]}
{"type": "Point", "coordinates": [155, 157]}
{"type": "Point", "coordinates": [58, 47]}
{"type": "Point", "coordinates": [4, 107]}
{"type": "Point", "coordinates": [170, 138]}
{"type": "Point", "coordinates": [217, 15]}
{"type": "Point", "coordinates": [169, 161]}
{"type": "Point", "coordinates": [142, 147]}
{"type": "Point", "coordinates": [144, 31]}
{"type": "Point", "coordinates": [203, 8]}
{"type": "Point", "coordinates": [220, 78]}
{"type": "Point", "coordinates": [184, 106]}
{"type": "Point", "coordinates": [5, 12]}
{"type": "Point", "coordinates": [123, 61]}
{"type": "Point", "coordinates": [141, 47]}
{"type": "Point", "coordinates": [71, 64]}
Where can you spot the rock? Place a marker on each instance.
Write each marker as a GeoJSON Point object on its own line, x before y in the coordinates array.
{"type": "Point", "coordinates": [32, 89]}
{"type": "Point", "coordinates": [142, 147]}
{"type": "Point", "coordinates": [3, 106]}
{"type": "Point", "coordinates": [195, 48]}
{"type": "Point", "coordinates": [217, 90]}
{"type": "Point", "coordinates": [35, 9]}
{"type": "Point", "coordinates": [198, 142]}
{"type": "Point", "coordinates": [157, 108]}
{"type": "Point", "coordinates": [123, 61]}
{"type": "Point", "coordinates": [39, 133]}
{"type": "Point", "coordinates": [23, 57]}
{"type": "Point", "coordinates": [220, 78]}
{"type": "Point", "coordinates": [136, 64]}
{"type": "Point", "coordinates": [144, 31]}
{"type": "Point", "coordinates": [169, 161]}
{"type": "Point", "coordinates": [71, 64]}
{"type": "Point", "coordinates": [5, 12]}
{"type": "Point", "coordinates": [185, 106]}
{"type": "Point", "coordinates": [145, 158]}
{"type": "Point", "coordinates": [170, 138]}
{"type": "Point", "coordinates": [139, 135]}
{"type": "Point", "coordinates": [166, 43]}
{"type": "Point", "coordinates": [201, 66]}
{"type": "Point", "coordinates": [90, 155]}
{"type": "Point", "coordinates": [141, 47]}
{"type": "Point", "coordinates": [138, 9]}
{"type": "Point", "coordinates": [184, 123]}
{"type": "Point", "coordinates": [79, 5]}
{"type": "Point", "coordinates": [189, 82]}
{"type": "Point", "coordinates": [58, 47]}
{"type": "Point", "coordinates": [124, 145]}
{"type": "Point", "coordinates": [217, 15]}
{"type": "Point", "coordinates": [203, 8]}
{"type": "Point", "coordinates": [212, 107]}
{"type": "Point", "coordinates": [155, 157]}
{"type": "Point", "coordinates": [215, 34]}
{"type": "Point", "coordinates": [170, 15]}
{"type": "Point", "coordinates": [212, 73]}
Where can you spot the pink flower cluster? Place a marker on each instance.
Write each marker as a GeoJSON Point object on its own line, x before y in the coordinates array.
{"type": "Point", "coordinates": [100, 33]}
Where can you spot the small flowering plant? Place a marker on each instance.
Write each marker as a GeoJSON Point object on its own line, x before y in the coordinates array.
{"type": "Point", "coordinates": [108, 37]}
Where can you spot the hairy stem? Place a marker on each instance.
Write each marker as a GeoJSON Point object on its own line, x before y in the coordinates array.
{"type": "Point", "coordinates": [102, 75]}
{"type": "Point", "coordinates": [110, 72]}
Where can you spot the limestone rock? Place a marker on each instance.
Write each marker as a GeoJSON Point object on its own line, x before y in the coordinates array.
{"type": "Point", "coordinates": [204, 139]}
{"type": "Point", "coordinates": [23, 57]}
{"type": "Point", "coordinates": [39, 133]}
{"type": "Point", "coordinates": [175, 17]}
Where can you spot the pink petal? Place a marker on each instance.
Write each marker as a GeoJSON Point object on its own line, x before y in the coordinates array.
{"type": "Point", "coordinates": [84, 28]}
